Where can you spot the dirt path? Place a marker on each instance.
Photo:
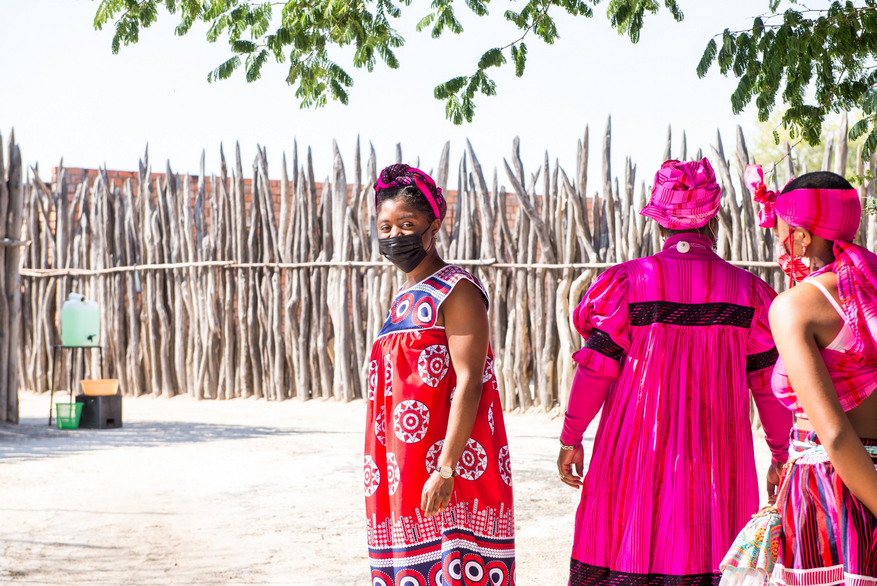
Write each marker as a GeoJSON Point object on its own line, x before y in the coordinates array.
{"type": "Point", "coordinates": [239, 492]}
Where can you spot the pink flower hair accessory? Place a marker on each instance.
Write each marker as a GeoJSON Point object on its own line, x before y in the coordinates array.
{"type": "Point", "coordinates": [753, 177]}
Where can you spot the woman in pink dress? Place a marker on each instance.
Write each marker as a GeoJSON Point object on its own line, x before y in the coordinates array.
{"type": "Point", "coordinates": [438, 482]}
{"type": "Point", "coordinates": [826, 334]}
{"type": "Point", "coordinates": [673, 344]}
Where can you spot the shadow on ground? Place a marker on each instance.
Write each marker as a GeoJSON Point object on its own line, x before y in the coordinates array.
{"type": "Point", "coordinates": [33, 438]}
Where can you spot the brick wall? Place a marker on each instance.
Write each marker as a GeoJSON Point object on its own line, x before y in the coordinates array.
{"type": "Point", "coordinates": [73, 176]}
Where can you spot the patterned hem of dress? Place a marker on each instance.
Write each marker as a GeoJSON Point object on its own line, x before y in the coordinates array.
{"type": "Point", "coordinates": [831, 576]}
{"type": "Point", "coordinates": [444, 563]}
{"type": "Point", "coordinates": [435, 549]}
{"type": "Point", "coordinates": [481, 523]}
{"type": "Point", "coordinates": [581, 574]}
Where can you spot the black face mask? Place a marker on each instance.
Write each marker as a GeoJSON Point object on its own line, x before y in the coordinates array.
{"type": "Point", "coordinates": [406, 252]}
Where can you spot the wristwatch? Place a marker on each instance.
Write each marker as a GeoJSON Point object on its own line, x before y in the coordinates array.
{"type": "Point", "coordinates": [445, 471]}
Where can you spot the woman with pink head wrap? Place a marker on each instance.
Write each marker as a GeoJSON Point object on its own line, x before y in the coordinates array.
{"type": "Point", "coordinates": [673, 343]}
{"type": "Point", "coordinates": [826, 335]}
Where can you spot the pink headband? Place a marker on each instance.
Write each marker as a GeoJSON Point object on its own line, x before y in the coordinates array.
{"type": "Point", "coordinates": [684, 196]}
{"type": "Point", "coordinates": [400, 175]}
{"type": "Point", "coordinates": [832, 214]}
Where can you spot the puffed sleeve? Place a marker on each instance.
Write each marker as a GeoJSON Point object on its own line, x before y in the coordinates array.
{"type": "Point", "coordinates": [761, 355]}
{"type": "Point", "coordinates": [602, 320]}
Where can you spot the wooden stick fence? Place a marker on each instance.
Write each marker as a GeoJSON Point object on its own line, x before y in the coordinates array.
{"type": "Point", "coordinates": [11, 207]}
{"type": "Point", "coordinates": [223, 295]}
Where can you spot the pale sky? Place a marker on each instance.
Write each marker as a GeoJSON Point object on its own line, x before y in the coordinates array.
{"type": "Point", "coordinates": [67, 95]}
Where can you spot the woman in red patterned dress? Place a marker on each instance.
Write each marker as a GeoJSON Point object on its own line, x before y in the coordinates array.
{"type": "Point", "coordinates": [438, 482]}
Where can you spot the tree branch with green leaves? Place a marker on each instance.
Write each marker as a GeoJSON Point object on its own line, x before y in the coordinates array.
{"type": "Point", "coordinates": [816, 61]}
{"type": "Point", "coordinates": [304, 32]}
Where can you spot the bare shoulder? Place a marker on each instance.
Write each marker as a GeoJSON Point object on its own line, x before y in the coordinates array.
{"type": "Point", "coordinates": [464, 305]}
{"type": "Point", "coordinates": [465, 295]}
{"type": "Point", "coordinates": [802, 307]}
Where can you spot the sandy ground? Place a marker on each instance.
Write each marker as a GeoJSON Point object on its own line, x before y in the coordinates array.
{"type": "Point", "coordinates": [238, 492]}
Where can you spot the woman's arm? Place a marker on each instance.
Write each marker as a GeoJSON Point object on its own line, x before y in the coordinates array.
{"type": "Point", "coordinates": [793, 319]}
{"type": "Point", "coordinates": [467, 328]}
{"type": "Point", "coordinates": [586, 397]}
{"type": "Point", "coordinates": [777, 422]}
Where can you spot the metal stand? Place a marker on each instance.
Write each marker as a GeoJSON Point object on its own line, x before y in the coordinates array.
{"type": "Point", "coordinates": [55, 349]}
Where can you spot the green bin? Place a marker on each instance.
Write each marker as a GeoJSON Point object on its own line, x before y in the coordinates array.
{"type": "Point", "coordinates": [68, 415]}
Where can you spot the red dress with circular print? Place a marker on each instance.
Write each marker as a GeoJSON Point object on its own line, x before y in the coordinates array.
{"type": "Point", "coordinates": [411, 383]}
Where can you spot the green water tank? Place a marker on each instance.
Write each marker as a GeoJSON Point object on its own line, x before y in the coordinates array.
{"type": "Point", "coordinates": [80, 322]}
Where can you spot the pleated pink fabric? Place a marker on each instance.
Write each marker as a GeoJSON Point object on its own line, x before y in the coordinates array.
{"type": "Point", "coordinates": [672, 478]}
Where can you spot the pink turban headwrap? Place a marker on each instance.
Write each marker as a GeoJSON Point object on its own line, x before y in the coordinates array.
{"type": "Point", "coordinates": [401, 175]}
{"type": "Point", "coordinates": [685, 195]}
{"type": "Point", "coordinates": [833, 214]}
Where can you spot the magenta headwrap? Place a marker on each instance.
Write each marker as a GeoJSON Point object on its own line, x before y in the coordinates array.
{"type": "Point", "coordinates": [833, 214]}
{"type": "Point", "coordinates": [685, 195]}
{"type": "Point", "coordinates": [401, 174]}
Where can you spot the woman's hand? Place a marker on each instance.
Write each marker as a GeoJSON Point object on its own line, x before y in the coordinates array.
{"type": "Point", "coordinates": [773, 483]}
{"type": "Point", "coordinates": [570, 464]}
{"type": "Point", "coordinates": [436, 494]}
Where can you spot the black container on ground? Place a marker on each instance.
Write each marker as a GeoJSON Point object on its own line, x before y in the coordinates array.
{"type": "Point", "coordinates": [102, 412]}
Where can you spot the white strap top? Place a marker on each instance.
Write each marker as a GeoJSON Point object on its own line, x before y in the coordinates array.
{"type": "Point", "coordinates": [845, 335]}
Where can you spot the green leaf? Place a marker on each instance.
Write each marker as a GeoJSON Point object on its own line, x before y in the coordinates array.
{"type": "Point", "coordinates": [859, 128]}
{"type": "Point", "coordinates": [487, 86]}
{"type": "Point", "coordinates": [389, 57]}
{"type": "Point", "coordinates": [674, 10]}
{"type": "Point", "coordinates": [243, 47]}
{"type": "Point", "coordinates": [254, 65]}
{"type": "Point", "coordinates": [491, 58]}
{"type": "Point", "coordinates": [870, 145]}
{"type": "Point", "coordinates": [518, 19]}
{"type": "Point", "coordinates": [425, 22]}
{"type": "Point", "coordinates": [709, 55]}
{"type": "Point", "coordinates": [479, 7]}
{"type": "Point", "coordinates": [106, 11]}
{"type": "Point", "coordinates": [519, 57]}
{"type": "Point", "coordinates": [225, 70]}
{"type": "Point", "coordinates": [338, 92]}
{"type": "Point", "coordinates": [217, 28]}
{"type": "Point", "coordinates": [336, 73]}
{"type": "Point", "coordinates": [757, 28]}
{"type": "Point", "coordinates": [726, 53]}
{"type": "Point", "coordinates": [448, 89]}
{"type": "Point", "coordinates": [184, 26]}
{"type": "Point", "coordinates": [454, 111]}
